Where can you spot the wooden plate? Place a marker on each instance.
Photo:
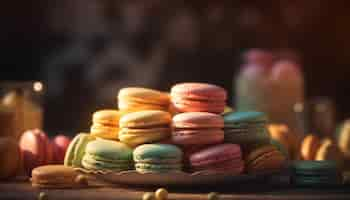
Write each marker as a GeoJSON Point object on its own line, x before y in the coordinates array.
{"type": "Point", "coordinates": [203, 178]}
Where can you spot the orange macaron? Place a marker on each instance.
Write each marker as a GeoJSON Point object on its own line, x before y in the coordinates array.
{"type": "Point", "coordinates": [265, 158]}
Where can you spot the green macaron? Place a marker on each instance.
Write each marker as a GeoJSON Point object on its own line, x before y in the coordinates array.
{"type": "Point", "coordinates": [76, 150]}
{"type": "Point", "coordinates": [250, 117]}
{"type": "Point", "coordinates": [157, 158]}
{"type": "Point", "coordinates": [316, 173]}
{"type": "Point", "coordinates": [246, 128]}
{"type": "Point", "coordinates": [107, 155]}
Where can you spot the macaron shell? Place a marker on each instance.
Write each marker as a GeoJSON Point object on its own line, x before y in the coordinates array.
{"type": "Point", "coordinates": [143, 95]}
{"type": "Point", "coordinates": [268, 161]}
{"type": "Point", "coordinates": [148, 118]}
{"type": "Point", "coordinates": [233, 166]}
{"type": "Point", "coordinates": [76, 149]}
{"type": "Point", "coordinates": [244, 117]}
{"type": "Point", "coordinates": [258, 152]}
{"type": "Point", "coordinates": [55, 176]}
{"type": "Point", "coordinates": [129, 107]}
{"type": "Point", "coordinates": [157, 168]}
{"type": "Point", "coordinates": [106, 117]}
{"type": "Point", "coordinates": [198, 106]}
{"type": "Point", "coordinates": [157, 152]}
{"type": "Point", "coordinates": [105, 132]}
{"type": "Point", "coordinates": [197, 137]}
{"type": "Point", "coordinates": [109, 150]}
{"type": "Point", "coordinates": [134, 137]}
{"type": "Point", "coordinates": [198, 120]}
{"type": "Point", "coordinates": [201, 91]}
{"type": "Point", "coordinates": [94, 163]}
{"type": "Point", "coordinates": [217, 153]}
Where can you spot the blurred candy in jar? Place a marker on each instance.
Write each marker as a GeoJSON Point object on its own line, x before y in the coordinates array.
{"type": "Point", "coordinates": [9, 157]}
{"type": "Point", "coordinates": [28, 114]}
{"type": "Point", "coordinates": [7, 120]}
{"type": "Point", "coordinates": [252, 88]}
{"type": "Point", "coordinates": [287, 89]}
{"type": "Point", "coordinates": [60, 145]}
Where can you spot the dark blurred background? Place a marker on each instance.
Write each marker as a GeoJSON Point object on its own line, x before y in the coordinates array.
{"type": "Point", "coordinates": [85, 50]}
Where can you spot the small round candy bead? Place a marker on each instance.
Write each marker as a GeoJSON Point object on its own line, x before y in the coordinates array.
{"type": "Point", "coordinates": [161, 194]}
{"type": "Point", "coordinates": [81, 179]}
{"type": "Point", "coordinates": [148, 196]}
{"type": "Point", "coordinates": [43, 196]}
{"type": "Point", "coordinates": [213, 196]}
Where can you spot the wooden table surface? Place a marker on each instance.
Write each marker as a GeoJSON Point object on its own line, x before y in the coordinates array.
{"type": "Point", "coordinates": [23, 190]}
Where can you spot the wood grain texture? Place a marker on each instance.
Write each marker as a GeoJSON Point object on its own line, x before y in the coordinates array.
{"type": "Point", "coordinates": [23, 190]}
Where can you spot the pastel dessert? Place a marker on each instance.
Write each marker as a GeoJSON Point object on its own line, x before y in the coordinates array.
{"type": "Point", "coordinates": [143, 127]}
{"type": "Point", "coordinates": [105, 124]}
{"type": "Point", "coordinates": [35, 150]}
{"type": "Point", "coordinates": [329, 150]}
{"type": "Point", "coordinates": [197, 128]}
{"type": "Point", "coordinates": [107, 155]}
{"type": "Point", "coordinates": [316, 173]}
{"type": "Point", "coordinates": [9, 157]}
{"type": "Point", "coordinates": [284, 136]}
{"type": "Point", "coordinates": [265, 158]}
{"type": "Point", "coordinates": [198, 97]}
{"type": "Point", "coordinates": [76, 150]}
{"type": "Point", "coordinates": [309, 147]}
{"type": "Point", "coordinates": [247, 129]}
{"type": "Point", "coordinates": [60, 145]}
{"type": "Point", "coordinates": [133, 99]}
{"type": "Point", "coordinates": [158, 158]}
{"type": "Point", "coordinates": [222, 158]}
{"type": "Point", "coordinates": [56, 176]}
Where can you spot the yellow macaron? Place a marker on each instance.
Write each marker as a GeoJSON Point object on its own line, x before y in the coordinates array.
{"type": "Point", "coordinates": [145, 127]}
{"type": "Point", "coordinates": [133, 99]}
{"type": "Point", "coordinates": [105, 124]}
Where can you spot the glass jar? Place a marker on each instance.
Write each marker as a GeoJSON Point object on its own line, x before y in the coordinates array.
{"type": "Point", "coordinates": [21, 107]}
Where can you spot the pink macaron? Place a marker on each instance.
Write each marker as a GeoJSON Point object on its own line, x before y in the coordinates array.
{"type": "Point", "coordinates": [198, 97]}
{"type": "Point", "coordinates": [219, 158]}
{"type": "Point", "coordinates": [197, 128]}
{"type": "Point", "coordinates": [35, 150]}
{"type": "Point", "coordinates": [59, 145]}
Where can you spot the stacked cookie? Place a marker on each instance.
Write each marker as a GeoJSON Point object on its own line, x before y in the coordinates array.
{"type": "Point", "coordinates": [153, 131]}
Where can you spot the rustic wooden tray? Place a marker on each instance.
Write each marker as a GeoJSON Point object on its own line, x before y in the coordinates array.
{"type": "Point", "coordinates": [202, 178]}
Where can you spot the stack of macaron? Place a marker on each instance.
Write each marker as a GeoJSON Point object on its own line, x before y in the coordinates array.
{"type": "Point", "coordinates": [153, 131]}
{"type": "Point", "coordinates": [105, 124]}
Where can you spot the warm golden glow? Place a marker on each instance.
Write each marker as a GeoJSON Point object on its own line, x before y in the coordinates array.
{"type": "Point", "coordinates": [38, 86]}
